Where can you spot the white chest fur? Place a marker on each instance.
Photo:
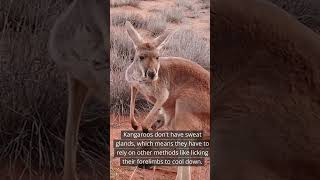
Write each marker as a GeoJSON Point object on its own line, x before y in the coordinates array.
{"type": "Point", "coordinates": [146, 89]}
{"type": "Point", "coordinates": [135, 78]}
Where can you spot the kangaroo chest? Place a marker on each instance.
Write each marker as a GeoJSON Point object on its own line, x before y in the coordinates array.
{"type": "Point", "coordinates": [148, 91]}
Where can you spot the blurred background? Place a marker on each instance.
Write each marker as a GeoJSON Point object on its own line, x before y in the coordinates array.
{"type": "Point", "coordinates": [33, 99]}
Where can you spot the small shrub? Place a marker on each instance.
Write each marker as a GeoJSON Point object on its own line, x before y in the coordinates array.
{"type": "Point", "coordinates": [185, 3]}
{"type": "Point", "coordinates": [188, 44]}
{"type": "Point", "coordinates": [120, 3]}
{"type": "Point", "coordinates": [173, 15]}
{"type": "Point", "coordinates": [119, 41]}
{"type": "Point", "coordinates": [121, 53]}
{"type": "Point", "coordinates": [120, 19]}
{"type": "Point", "coordinates": [156, 25]}
{"type": "Point", "coordinates": [194, 13]}
{"type": "Point", "coordinates": [205, 4]}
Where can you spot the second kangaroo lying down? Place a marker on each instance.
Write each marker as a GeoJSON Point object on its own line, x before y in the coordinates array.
{"type": "Point", "coordinates": [178, 87]}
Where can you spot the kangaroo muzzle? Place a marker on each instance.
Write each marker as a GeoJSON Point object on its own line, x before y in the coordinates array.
{"type": "Point", "coordinates": [151, 74]}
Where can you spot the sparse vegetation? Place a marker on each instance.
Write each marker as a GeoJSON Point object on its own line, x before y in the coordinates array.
{"type": "Point", "coordinates": [173, 15]}
{"type": "Point", "coordinates": [156, 25]}
{"type": "Point", "coordinates": [121, 54]}
{"type": "Point", "coordinates": [205, 4]}
{"type": "Point", "coordinates": [120, 3]}
{"type": "Point", "coordinates": [120, 19]}
{"type": "Point", "coordinates": [188, 44]}
{"type": "Point", "coordinates": [193, 10]}
{"type": "Point", "coordinates": [185, 3]}
{"type": "Point", "coordinates": [194, 13]}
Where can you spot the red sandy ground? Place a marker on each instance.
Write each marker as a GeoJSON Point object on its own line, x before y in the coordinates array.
{"type": "Point", "coordinates": [118, 172]}
{"type": "Point", "coordinates": [200, 24]}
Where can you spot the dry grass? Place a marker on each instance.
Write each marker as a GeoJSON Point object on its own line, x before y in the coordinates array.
{"type": "Point", "coordinates": [205, 4]}
{"type": "Point", "coordinates": [33, 94]}
{"type": "Point", "coordinates": [120, 19]}
{"type": "Point", "coordinates": [185, 3]}
{"type": "Point", "coordinates": [195, 13]}
{"type": "Point", "coordinates": [190, 45]}
{"type": "Point", "coordinates": [156, 25]}
{"type": "Point", "coordinates": [173, 14]}
{"type": "Point", "coordinates": [121, 53]}
{"type": "Point", "coordinates": [120, 3]}
{"type": "Point", "coordinates": [191, 7]}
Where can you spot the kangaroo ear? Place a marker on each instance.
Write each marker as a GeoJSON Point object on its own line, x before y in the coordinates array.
{"type": "Point", "coordinates": [160, 41]}
{"type": "Point", "coordinates": [133, 34]}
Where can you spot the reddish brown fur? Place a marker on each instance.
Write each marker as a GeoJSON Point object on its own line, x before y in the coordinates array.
{"type": "Point", "coordinates": [146, 46]}
{"type": "Point", "coordinates": [186, 80]}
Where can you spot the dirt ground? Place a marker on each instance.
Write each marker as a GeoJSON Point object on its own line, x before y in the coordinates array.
{"type": "Point", "coordinates": [120, 123]}
{"type": "Point", "coordinates": [199, 24]}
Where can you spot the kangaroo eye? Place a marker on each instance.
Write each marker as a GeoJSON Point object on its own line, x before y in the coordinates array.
{"type": "Point", "coordinates": [157, 57]}
{"type": "Point", "coordinates": [141, 57]}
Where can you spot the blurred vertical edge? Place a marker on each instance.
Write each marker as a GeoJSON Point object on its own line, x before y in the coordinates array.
{"type": "Point", "coordinates": [212, 88]}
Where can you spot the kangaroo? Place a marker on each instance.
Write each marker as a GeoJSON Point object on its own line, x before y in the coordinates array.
{"type": "Point", "coordinates": [178, 88]}
{"type": "Point", "coordinates": [77, 44]}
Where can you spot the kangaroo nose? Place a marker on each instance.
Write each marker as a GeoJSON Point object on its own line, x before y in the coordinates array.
{"type": "Point", "coordinates": [151, 74]}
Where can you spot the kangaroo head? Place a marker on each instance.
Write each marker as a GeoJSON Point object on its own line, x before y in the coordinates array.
{"type": "Point", "coordinates": [147, 53]}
